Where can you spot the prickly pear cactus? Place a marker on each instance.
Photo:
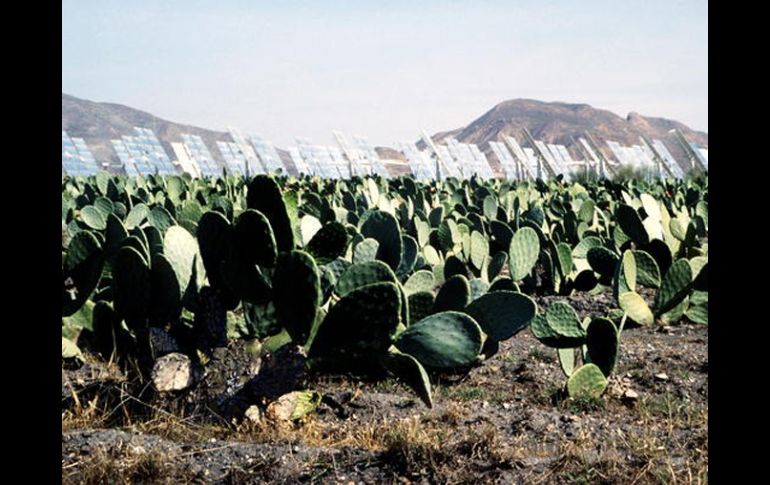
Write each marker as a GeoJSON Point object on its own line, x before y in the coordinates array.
{"type": "Point", "coordinates": [360, 275]}
{"type": "Point", "coordinates": [329, 243]}
{"type": "Point", "coordinates": [523, 252]}
{"type": "Point", "coordinates": [408, 370]}
{"type": "Point", "coordinates": [586, 382]}
{"type": "Point", "coordinates": [383, 227]}
{"type": "Point", "coordinates": [253, 238]}
{"type": "Point", "coordinates": [444, 340]}
{"type": "Point", "coordinates": [420, 281]}
{"type": "Point", "coordinates": [603, 342]}
{"type": "Point", "coordinates": [360, 325]}
{"type": "Point", "coordinates": [297, 294]}
{"type": "Point", "coordinates": [264, 195]}
{"type": "Point", "coordinates": [502, 314]}
{"type": "Point", "coordinates": [131, 284]}
{"type": "Point", "coordinates": [636, 308]}
{"type": "Point", "coordinates": [674, 288]}
{"type": "Point", "coordinates": [455, 294]}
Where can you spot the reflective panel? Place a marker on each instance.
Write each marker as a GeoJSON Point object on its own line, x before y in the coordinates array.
{"type": "Point", "coordinates": [200, 155]}
{"type": "Point", "coordinates": [76, 158]}
{"type": "Point", "coordinates": [667, 158]}
{"type": "Point", "coordinates": [268, 155]}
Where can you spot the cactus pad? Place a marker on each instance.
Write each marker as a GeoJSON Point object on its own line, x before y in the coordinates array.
{"type": "Point", "coordinates": [603, 342]}
{"type": "Point", "coordinates": [296, 294]}
{"type": "Point", "coordinates": [363, 274]}
{"type": "Point", "coordinates": [502, 314]}
{"type": "Point", "coordinates": [383, 227]}
{"type": "Point", "coordinates": [442, 341]}
{"type": "Point", "coordinates": [454, 294]}
{"type": "Point", "coordinates": [523, 252]}
{"type": "Point", "coordinates": [674, 288]}
{"type": "Point", "coordinates": [586, 382]}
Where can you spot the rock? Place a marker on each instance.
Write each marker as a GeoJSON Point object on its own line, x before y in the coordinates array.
{"type": "Point", "coordinates": [294, 405]}
{"type": "Point", "coordinates": [661, 377]}
{"type": "Point", "coordinates": [172, 372]}
{"type": "Point", "coordinates": [253, 414]}
{"type": "Point", "coordinates": [630, 395]}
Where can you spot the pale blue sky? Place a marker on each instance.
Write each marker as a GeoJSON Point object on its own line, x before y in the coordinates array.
{"type": "Point", "coordinates": [302, 68]}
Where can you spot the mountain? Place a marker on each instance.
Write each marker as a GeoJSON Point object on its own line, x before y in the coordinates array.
{"type": "Point", "coordinates": [98, 123]}
{"type": "Point", "coordinates": [563, 123]}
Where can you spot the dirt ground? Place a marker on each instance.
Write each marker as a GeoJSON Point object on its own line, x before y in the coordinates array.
{"type": "Point", "coordinates": [506, 421]}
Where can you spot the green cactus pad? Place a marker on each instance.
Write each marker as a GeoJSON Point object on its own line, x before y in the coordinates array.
{"type": "Point", "coordinates": [131, 281]}
{"type": "Point", "coordinates": [698, 310]}
{"type": "Point", "coordinates": [420, 305]}
{"type": "Point", "coordinates": [83, 264]}
{"type": "Point", "coordinates": [603, 344]}
{"type": "Point", "coordinates": [454, 266]}
{"type": "Point", "coordinates": [523, 252]}
{"type": "Point", "coordinates": [264, 195]}
{"type": "Point", "coordinates": [436, 216]}
{"type": "Point", "coordinates": [383, 227]}
{"type": "Point", "coordinates": [420, 281]}
{"type": "Point", "coordinates": [501, 235]}
{"type": "Point", "coordinates": [442, 341]}
{"type": "Point", "coordinates": [455, 294]}
{"type": "Point", "coordinates": [365, 251]}
{"type": "Point", "coordinates": [479, 287]}
{"type": "Point", "coordinates": [93, 217]}
{"type": "Point", "coordinates": [360, 325]}
{"type": "Point", "coordinates": [247, 282]}
{"type": "Point", "coordinates": [213, 232]}
{"type": "Point", "coordinates": [160, 218]}
{"type": "Point", "coordinates": [253, 238]}
{"type": "Point", "coordinates": [586, 382]}
{"type": "Point", "coordinates": [408, 257]}
{"type": "Point", "coordinates": [580, 251]}
{"type": "Point", "coordinates": [297, 294]}
{"type": "Point", "coordinates": [166, 296]}
{"type": "Point", "coordinates": [503, 283]}
{"type": "Point", "coordinates": [631, 224]}
{"type": "Point", "coordinates": [490, 207]}
{"type": "Point", "coordinates": [567, 358]}
{"type": "Point", "coordinates": [636, 308]}
{"type": "Point", "coordinates": [408, 370]}
{"type": "Point", "coordinates": [496, 264]}
{"type": "Point", "coordinates": [479, 249]}
{"type": "Point", "coordinates": [586, 212]}
{"type": "Point", "coordinates": [625, 274]}
{"type": "Point", "coordinates": [154, 240]}
{"type": "Point", "coordinates": [502, 314]}
{"type": "Point", "coordinates": [564, 259]}
{"type": "Point", "coordinates": [564, 321]}
{"type": "Point", "coordinates": [674, 288]}
{"type": "Point", "coordinates": [329, 243]}
{"type": "Point", "coordinates": [181, 250]}
{"type": "Point", "coordinates": [602, 260]}
{"type": "Point", "coordinates": [647, 272]}
{"type": "Point", "coordinates": [113, 235]}
{"type": "Point", "coordinates": [363, 274]}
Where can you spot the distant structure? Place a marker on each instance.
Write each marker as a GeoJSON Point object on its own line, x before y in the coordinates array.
{"type": "Point", "coordinates": [76, 158]}
{"type": "Point", "coordinates": [142, 153]}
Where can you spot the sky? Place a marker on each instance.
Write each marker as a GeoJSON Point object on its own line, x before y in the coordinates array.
{"type": "Point", "coordinates": [384, 70]}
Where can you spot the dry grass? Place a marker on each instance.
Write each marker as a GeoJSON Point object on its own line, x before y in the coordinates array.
{"type": "Point", "coordinates": [125, 464]}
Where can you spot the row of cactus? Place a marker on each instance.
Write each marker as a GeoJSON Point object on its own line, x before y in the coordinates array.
{"type": "Point", "coordinates": [377, 276]}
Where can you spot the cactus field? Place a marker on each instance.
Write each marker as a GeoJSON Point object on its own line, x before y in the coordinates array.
{"type": "Point", "coordinates": [384, 330]}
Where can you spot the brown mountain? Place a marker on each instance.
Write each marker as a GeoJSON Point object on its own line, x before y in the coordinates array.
{"type": "Point", "coordinates": [98, 123]}
{"type": "Point", "coordinates": [563, 123]}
